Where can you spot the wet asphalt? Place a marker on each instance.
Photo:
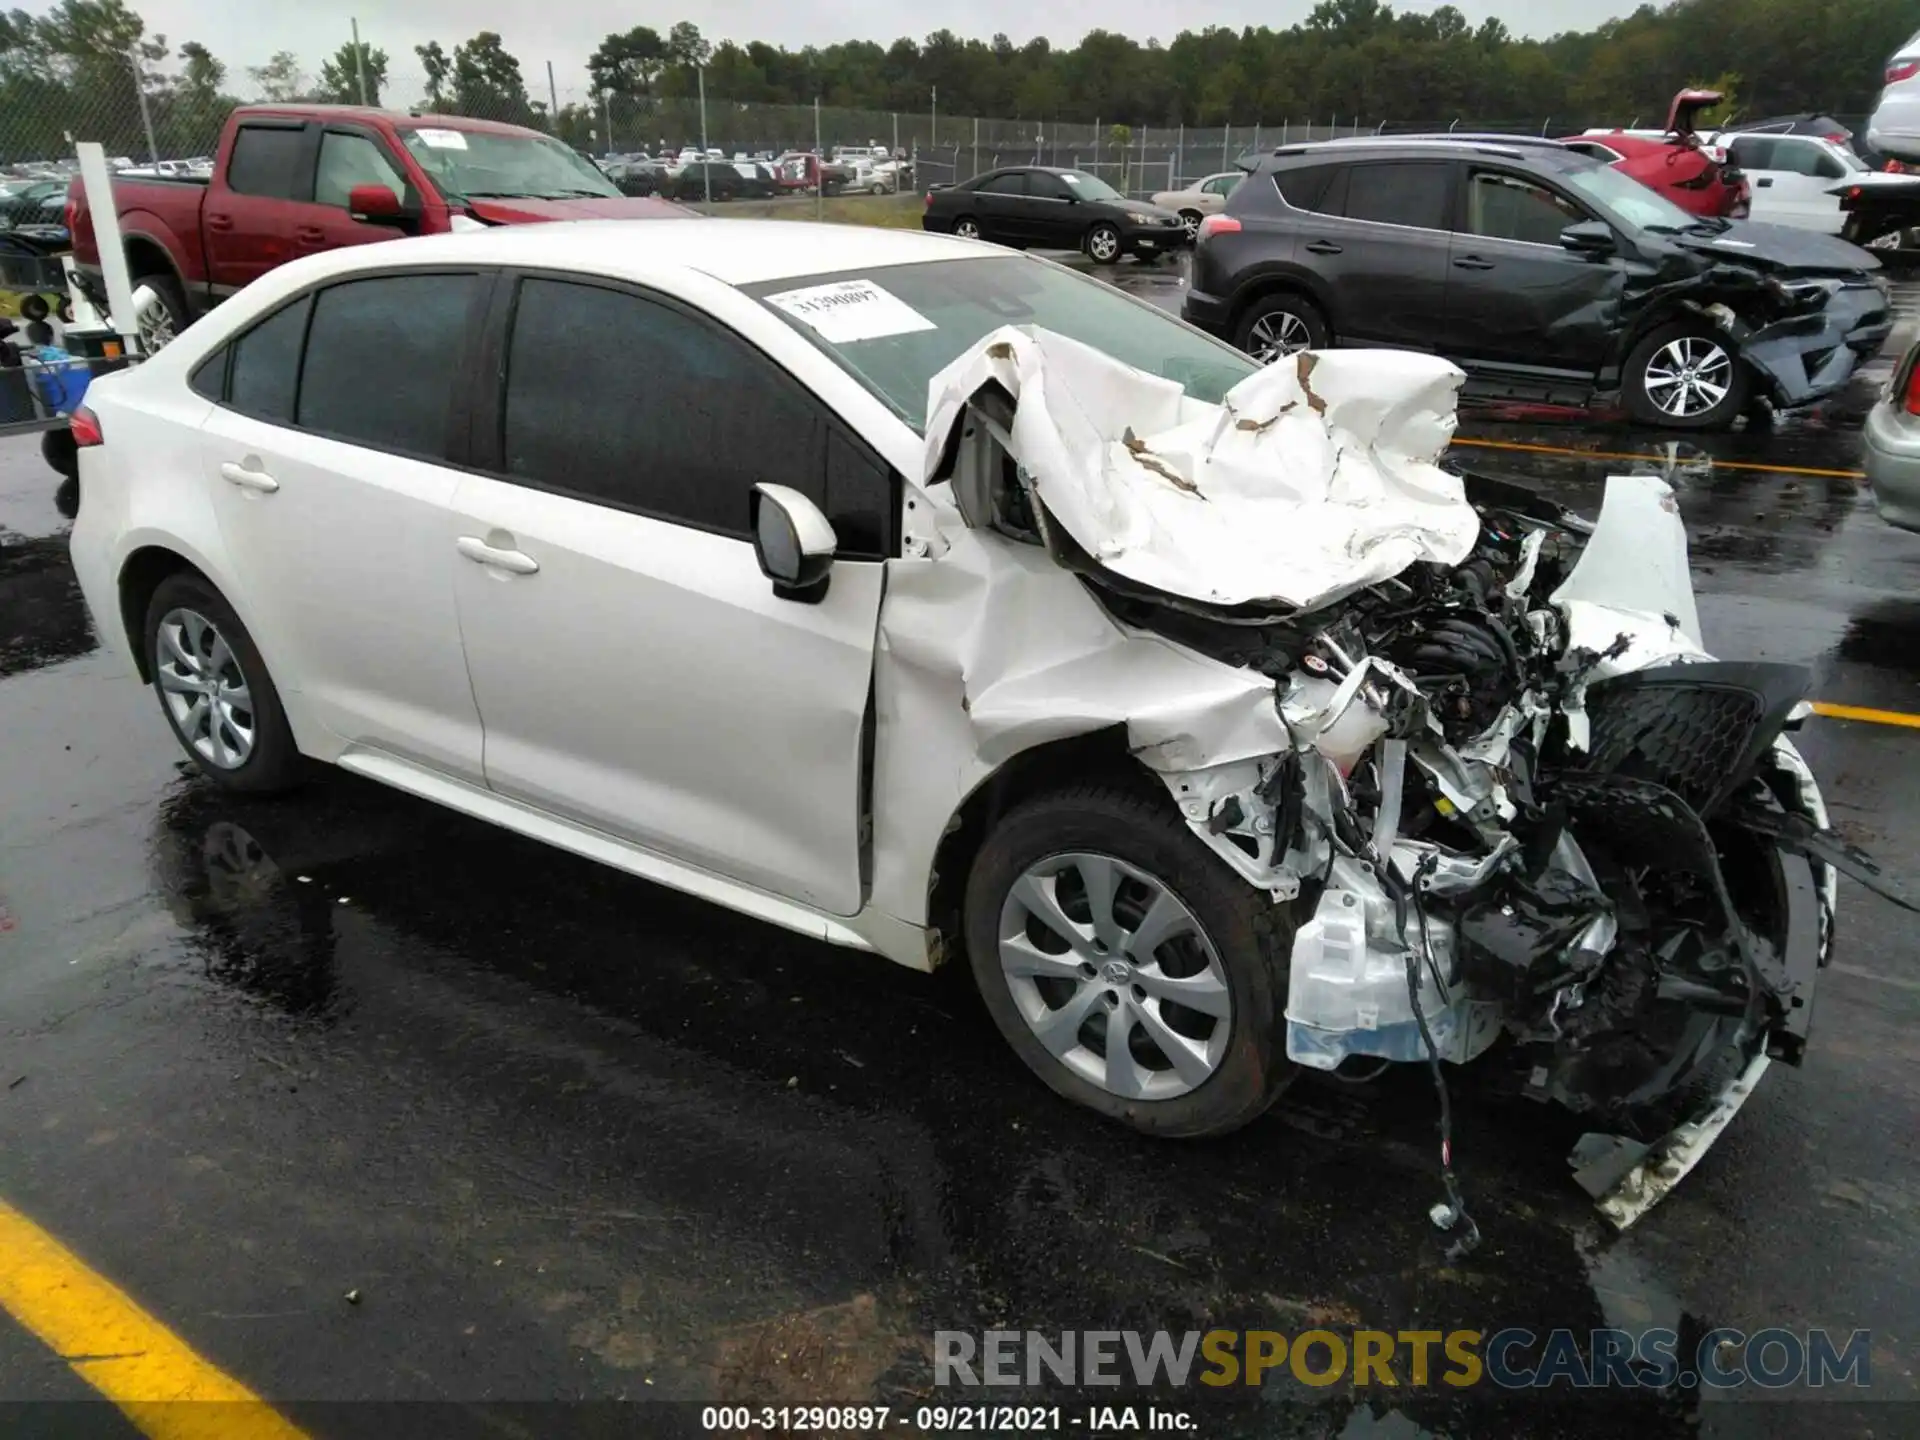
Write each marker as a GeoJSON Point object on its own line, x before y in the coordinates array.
{"type": "Point", "coordinates": [572, 1136]}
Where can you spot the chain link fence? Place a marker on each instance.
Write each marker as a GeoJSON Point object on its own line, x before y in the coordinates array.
{"type": "Point", "coordinates": [145, 119]}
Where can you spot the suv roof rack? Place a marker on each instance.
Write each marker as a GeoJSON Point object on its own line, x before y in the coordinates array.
{"type": "Point", "coordinates": [1485, 143]}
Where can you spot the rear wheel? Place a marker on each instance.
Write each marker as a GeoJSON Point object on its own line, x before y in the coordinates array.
{"type": "Point", "coordinates": [967, 228]}
{"type": "Point", "coordinates": [1190, 222]}
{"type": "Point", "coordinates": [1127, 965]}
{"type": "Point", "coordinates": [1684, 376]}
{"type": "Point", "coordinates": [160, 322]}
{"type": "Point", "coordinates": [1281, 325]}
{"type": "Point", "coordinates": [214, 688]}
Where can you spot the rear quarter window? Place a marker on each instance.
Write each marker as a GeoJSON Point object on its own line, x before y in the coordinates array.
{"type": "Point", "coordinates": [1304, 187]}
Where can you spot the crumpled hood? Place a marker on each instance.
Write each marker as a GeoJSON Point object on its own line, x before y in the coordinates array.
{"type": "Point", "coordinates": [1780, 248]}
{"type": "Point", "coordinates": [527, 211]}
{"type": "Point", "coordinates": [1314, 478]}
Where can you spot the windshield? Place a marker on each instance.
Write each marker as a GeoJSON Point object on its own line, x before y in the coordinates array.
{"type": "Point", "coordinates": [924, 316]}
{"type": "Point", "coordinates": [1090, 187]}
{"type": "Point", "coordinates": [476, 163]}
{"type": "Point", "coordinates": [1627, 198]}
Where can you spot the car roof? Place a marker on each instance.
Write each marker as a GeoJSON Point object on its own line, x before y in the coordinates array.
{"type": "Point", "coordinates": [1508, 147]}
{"type": "Point", "coordinates": [734, 252]}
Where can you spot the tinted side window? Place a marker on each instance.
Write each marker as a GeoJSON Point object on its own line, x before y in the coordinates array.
{"type": "Point", "coordinates": [1413, 192]}
{"type": "Point", "coordinates": [1014, 184]}
{"type": "Point", "coordinates": [266, 364]}
{"type": "Point", "coordinates": [267, 160]}
{"type": "Point", "coordinates": [1506, 207]}
{"type": "Point", "coordinates": [1304, 188]}
{"type": "Point", "coordinates": [381, 359]}
{"type": "Point", "coordinates": [1752, 152]}
{"type": "Point", "coordinates": [350, 160]}
{"type": "Point", "coordinates": [209, 377]}
{"type": "Point", "coordinates": [636, 403]}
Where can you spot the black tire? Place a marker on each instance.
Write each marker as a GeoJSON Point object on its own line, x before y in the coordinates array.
{"type": "Point", "coordinates": [172, 300]}
{"type": "Point", "coordinates": [58, 449]}
{"type": "Point", "coordinates": [1654, 349]}
{"type": "Point", "coordinates": [960, 224]}
{"type": "Point", "coordinates": [274, 762]}
{"type": "Point", "coordinates": [1103, 244]}
{"type": "Point", "coordinates": [34, 307]}
{"type": "Point", "coordinates": [1252, 936]}
{"type": "Point", "coordinates": [1283, 316]}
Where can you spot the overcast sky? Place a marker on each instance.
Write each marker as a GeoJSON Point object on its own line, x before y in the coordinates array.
{"type": "Point", "coordinates": [245, 32]}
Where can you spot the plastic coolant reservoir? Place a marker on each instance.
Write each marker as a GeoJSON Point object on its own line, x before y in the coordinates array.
{"type": "Point", "coordinates": [1352, 732]}
{"type": "Point", "coordinates": [1347, 998]}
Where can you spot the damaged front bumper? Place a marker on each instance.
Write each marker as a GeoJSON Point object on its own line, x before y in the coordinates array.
{"type": "Point", "coordinates": [1804, 358]}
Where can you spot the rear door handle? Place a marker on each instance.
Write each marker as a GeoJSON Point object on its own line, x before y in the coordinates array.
{"type": "Point", "coordinates": [219, 222]}
{"type": "Point", "coordinates": [1323, 247]}
{"type": "Point", "coordinates": [1765, 182]}
{"type": "Point", "coordinates": [248, 478]}
{"type": "Point", "coordinates": [309, 234]}
{"type": "Point", "coordinates": [1472, 262]}
{"type": "Point", "coordinates": [514, 562]}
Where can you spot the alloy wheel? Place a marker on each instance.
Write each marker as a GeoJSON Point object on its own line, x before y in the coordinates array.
{"type": "Point", "coordinates": [1688, 377]}
{"type": "Point", "coordinates": [206, 693]}
{"type": "Point", "coordinates": [1190, 222]}
{"type": "Point", "coordinates": [1104, 246]}
{"type": "Point", "coordinates": [1278, 335]}
{"type": "Point", "coordinates": [967, 230]}
{"type": "Point", "coordinates": [1115, 976]}
{"type": "Point", "coordinates": [155, 326]}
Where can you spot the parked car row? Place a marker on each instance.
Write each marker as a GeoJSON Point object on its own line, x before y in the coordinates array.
{"type": "Point", "coordinates": [1023, 205]}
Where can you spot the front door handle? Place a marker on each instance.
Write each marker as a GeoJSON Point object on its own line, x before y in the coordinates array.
{"type": "Point", "coordinates": [514, 562]}
{"type": "Point", "coordinates": [1323, 247]}
{"type": "Point", "coordinates": [1472, 262]}
{"type": "Point", "coordinates": [1765, 182]}
{"type": "Point", "coordinates": [309, 234]}
{"type": "Point", "coordinates": [247, 478]}
{"type": "Point", "coordinates": [219, 222]}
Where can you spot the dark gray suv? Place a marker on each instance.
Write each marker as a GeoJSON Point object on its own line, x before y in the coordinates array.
{"type": "Point", "coordinates": [1545, 274]}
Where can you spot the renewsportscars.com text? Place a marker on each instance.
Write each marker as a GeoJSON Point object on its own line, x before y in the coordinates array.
{"type": "Point", "coordinates": [1512, 1358]}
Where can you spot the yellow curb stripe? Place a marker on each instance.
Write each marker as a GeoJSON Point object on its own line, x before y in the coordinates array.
{"type": "Point", "coordinates": [155, 1377]}
{"type": "Point", "coordinates": [1711, 462]}
{"type": "Point", "coordinates": [1871, 717]}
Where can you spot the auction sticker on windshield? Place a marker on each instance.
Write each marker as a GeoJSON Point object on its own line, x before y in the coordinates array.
{"type": "Point", "coordinates": [442, 139]}
{"type": "Point", "coordinates": [850, 310]}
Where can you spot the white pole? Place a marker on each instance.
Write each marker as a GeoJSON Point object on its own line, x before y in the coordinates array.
{"type": "Point", "coordinates": [98, 185]}
{"type": "Point", "coordinates": [976, 145]}
{"type": "Point", "coordinates": [820, 160]}
{"type": "Point", "coordinates": [706, 160]}
{"type": "Point", "coordinates": [359, 63]}
{"type": "Point", "coordinates": [1179, 158]}
{"type": "Point", "coordinates": [933, 123]}
{"type": "Point", "coordinates": [606, 115]}
{"type": "Point", "coordinates": [1226, 148]}
{"type": "Point", "coordinates": [553, 102]}
{"type": "Point", "coordinates": [140, 89]}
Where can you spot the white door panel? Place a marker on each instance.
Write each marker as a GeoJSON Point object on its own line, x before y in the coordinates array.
{"type": "Point", "coordinates": [346, 559]}
{"type": "Point", "coordinates": [644, 680]}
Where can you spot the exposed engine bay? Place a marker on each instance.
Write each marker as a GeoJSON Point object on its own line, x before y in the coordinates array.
{"type": "Point", "coordinates": [1520, 808]}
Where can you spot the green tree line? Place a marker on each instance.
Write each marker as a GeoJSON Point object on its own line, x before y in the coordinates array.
{"type": "Point", "coordinates": [72, 71]}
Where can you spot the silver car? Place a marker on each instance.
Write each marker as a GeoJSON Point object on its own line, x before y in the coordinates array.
{"type": "Point", "coordinates": [1892, 446]}
{"type": "Point", "coordinates": [1894, 128]}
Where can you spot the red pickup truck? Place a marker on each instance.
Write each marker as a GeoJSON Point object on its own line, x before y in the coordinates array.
{"type": "Point", "coordinates": [293, 179]}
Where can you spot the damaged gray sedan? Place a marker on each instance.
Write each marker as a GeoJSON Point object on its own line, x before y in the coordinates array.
{"type": "Point", "coordinates": [1218, 729]}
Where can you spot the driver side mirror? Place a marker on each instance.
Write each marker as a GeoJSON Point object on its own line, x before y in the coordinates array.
{"type": "Point", "coordinates": [375, 205]}
{"type": "Point", "coordinates": [1590, 237]}
{"type": "Point", "coordinates": [793, 542]}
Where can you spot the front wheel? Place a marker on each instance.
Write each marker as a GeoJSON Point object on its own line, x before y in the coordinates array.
{"type": "Point", "coordinates": [1127, 965]}
{"type": "Point", "coordinates": [1103, 244]}
{"type": "Point", "coordinates": [1190, 222]}
{"type": "Point", "coordinates": [1684, 376]}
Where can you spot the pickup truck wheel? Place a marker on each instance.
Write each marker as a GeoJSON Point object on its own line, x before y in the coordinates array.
{"type": "Point", "coordinates": [161, 323]}
{"type": "Point", "coordinates": [1127, 965]}
{"type": "Point", "coordinates": [1684, 376]}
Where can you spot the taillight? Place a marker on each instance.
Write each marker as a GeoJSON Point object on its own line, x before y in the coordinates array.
{"type": "Point", "coordinates": [929, 199]}
{"type": "Point", "coordinates": [85, 426]}
{"type": "Point", "coordinates": [1913, 391]}
{"type": "Point", "coordinates": [73, 211]}
{"type": "Point", "coordinates": [1902, 70]}
{"type": "Point", "coordinates": [1217, 225]}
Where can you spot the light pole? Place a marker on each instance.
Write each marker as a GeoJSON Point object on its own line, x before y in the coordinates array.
{"type": "Point", "coordinates": [706, 160]}
{"type": "Point", "coordinates": [140, 89]}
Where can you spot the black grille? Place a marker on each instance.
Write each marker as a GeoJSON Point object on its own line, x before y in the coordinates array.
{"type": "Point", "coordinates": [1697, 730]}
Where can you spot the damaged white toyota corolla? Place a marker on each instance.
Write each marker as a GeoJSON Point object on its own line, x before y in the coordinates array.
{"type": "Point", "coordinates": [928, 599]}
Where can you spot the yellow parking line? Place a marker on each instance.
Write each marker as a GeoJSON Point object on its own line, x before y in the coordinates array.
{"type": "Point", "coordinates": [167, 1390]}
{"type": "Point", "coordinates": [1871, 717]}
{"type": "Point", "coordinates": [1571, 453]}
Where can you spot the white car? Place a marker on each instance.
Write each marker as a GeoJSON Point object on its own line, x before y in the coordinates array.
{"type": "Point", "coordinates": [933, 600]}
{"type": "Point", "coordinates": [1202, 198]}
{"type": "Point", "coordinates": [1894, 128]}
{"type": "Point", "coordinates": [1802, 181]}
